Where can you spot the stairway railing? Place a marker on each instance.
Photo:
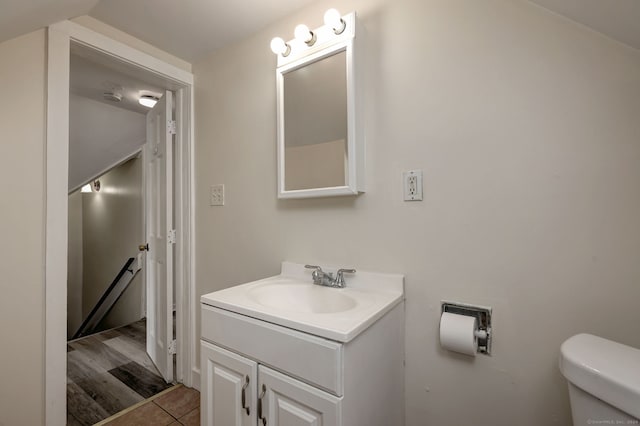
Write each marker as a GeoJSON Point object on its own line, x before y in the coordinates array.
{"type": "Point", "coordinates": [108, 298]}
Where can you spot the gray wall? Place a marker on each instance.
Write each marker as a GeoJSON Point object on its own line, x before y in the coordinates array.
{"type": "Point", "coordinates": [112, 229]}
{"type": "Point", "coordinates": [22, 126]}
{"type": "Point", "coordinates": [526, 127]}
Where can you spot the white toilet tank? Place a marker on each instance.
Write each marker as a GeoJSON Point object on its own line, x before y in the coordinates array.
{"type": "Point", "coordinates": [604, 380]}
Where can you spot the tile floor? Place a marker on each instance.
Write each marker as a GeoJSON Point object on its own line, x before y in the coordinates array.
{"type": "Point", "coordinates": [176, 406]}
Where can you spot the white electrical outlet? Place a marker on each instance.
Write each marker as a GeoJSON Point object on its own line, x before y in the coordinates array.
{"type": "Point", "coordinates": [412, 185]}
{"type": "Point", "coordinates": [216, 195]}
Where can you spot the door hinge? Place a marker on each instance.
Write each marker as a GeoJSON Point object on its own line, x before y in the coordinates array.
{"type": "Point", "coordinates": [171, 126]}
{"type": "Point", "coordinates": [171, 237]}
{"type": "Point", "coordinates": [173, 347]}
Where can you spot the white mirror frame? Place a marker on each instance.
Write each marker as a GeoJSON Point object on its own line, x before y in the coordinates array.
{"type": "Point", "coordinates": [327, 44]}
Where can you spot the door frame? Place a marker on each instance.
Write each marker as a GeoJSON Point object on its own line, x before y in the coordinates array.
{"type": "Point", "coordinates": [59, 39]}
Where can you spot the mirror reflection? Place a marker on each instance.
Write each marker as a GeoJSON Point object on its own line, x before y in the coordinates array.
{"type": "Point", "coordinates": [315, 128]}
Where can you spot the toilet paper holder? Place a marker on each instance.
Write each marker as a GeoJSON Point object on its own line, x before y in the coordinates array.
{"type": "Point", "coordinates": [483, 317]}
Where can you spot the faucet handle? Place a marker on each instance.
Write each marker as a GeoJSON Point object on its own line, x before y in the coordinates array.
{"type": "Point", "coordinates": [339, 281]}
{"type": "Point", "coordinates": [317, 268]}
{"type": "Point", "coordinates": [317, 273]}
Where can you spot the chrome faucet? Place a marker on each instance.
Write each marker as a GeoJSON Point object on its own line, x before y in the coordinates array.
{"type": "Point", "coordinates": [327, 279]}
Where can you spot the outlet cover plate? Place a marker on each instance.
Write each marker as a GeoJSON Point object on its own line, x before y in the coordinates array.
{"type": "Point", "coordinates": [412, 185]}
{"type": "Point", "coordinates": [216, 195]}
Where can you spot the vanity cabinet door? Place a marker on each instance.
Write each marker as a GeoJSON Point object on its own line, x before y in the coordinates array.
{"type": "Point", "coordinates": [228, 386]}
{"type": "Point", "coordinates": [286, 401]}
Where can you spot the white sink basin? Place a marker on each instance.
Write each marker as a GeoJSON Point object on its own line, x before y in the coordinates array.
{"type": "Point", "coordinates": [292, 300]}
{"type": "Point", "coordinates": [301, 298]}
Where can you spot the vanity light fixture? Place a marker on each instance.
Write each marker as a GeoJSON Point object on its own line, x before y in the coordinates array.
{"type": "Point", "coordinates": [334, 25]}
{"type": "Point", "coordinates": [280, 47]}
{"type": "Point", "coordinates": [304, 34]}
{"type": "Point", "coordinates": [148, 101]}
{"type": "Point", "coordinates": [333, 19]}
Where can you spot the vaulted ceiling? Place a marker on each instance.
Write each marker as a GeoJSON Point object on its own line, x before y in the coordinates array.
{"type": "Point", "coordinates": [190, 29]}
{"type": "Point", "coordinates": [187, 29]}
{"type": "Point", "coordinates": [618, 19]}
{"type": "Point", "coordinates": [20, 17]}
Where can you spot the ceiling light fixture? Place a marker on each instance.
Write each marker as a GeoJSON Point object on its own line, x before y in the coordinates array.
{"type": "Point", "coordinates": [280, 47]}
{"type": "Point", "coordinates": [333, 19]}
{"type": "Point", "coordinates": [148, 101]}
{"type": "Point", "coordinates": [303, 33]}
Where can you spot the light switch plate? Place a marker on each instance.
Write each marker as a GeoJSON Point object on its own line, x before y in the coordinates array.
{"type": "Point", "coordinates": [412, 185]}
{"type": "Point", "coordinates": [216, 195]}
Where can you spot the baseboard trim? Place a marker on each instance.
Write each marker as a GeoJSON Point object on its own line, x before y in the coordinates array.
{"type": "Point", "coordinates": [195, 378]}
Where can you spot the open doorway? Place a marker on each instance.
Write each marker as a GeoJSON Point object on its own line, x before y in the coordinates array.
{"type": "Point", "coordinates": [62, 38]}
{"type": "Point", "coordinates": [120, 319]}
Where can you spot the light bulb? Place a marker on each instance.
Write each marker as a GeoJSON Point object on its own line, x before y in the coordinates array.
{"type": "Point", "coordinates": [280, 47]}
{"type": "Point", "coordinates": [148, 101]}
{"type": "Point", "coordinates": [333, 19]}
{"type": "Point", "coordinates": [303, 33]}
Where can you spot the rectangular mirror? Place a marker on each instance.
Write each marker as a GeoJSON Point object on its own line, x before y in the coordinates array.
{"type": "Point", "coordinates": [319, 143]}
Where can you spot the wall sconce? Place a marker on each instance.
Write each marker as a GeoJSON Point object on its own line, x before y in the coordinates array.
{"type": "Point", "coordinates": [91, 187]}
{"type": "Point", "coordinates": [334, 25]}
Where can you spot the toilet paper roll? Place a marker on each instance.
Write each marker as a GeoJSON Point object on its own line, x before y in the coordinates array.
{"type": "Point", "coordinates": [457, 333]}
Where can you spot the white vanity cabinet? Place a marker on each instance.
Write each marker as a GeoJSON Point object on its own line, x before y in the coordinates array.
{"type": "Point", "coordinates": [297, 378]}
{"type": "Point", "coordinates": [291, 402]}
{"type": "Point", "coordinates": [240, 392]}
{"type": "Point", "coordinates": [317, 361]}
{"type": "Point", "coordinates": [229, 385]}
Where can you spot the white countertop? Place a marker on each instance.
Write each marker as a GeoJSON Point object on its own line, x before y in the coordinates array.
{"type": "Point", "coordinates": [369, 295]}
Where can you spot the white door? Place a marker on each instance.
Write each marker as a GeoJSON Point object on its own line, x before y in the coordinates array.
{"type": "Point", "coordinates": [228, 388]}
{"type": "Point", "coordinates": [158, 162]}
{"type": "Point", "coordinates": [286, 401]}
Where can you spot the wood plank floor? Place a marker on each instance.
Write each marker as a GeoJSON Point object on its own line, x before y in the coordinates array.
{"type": "Point", "coordinates": [108, 372]}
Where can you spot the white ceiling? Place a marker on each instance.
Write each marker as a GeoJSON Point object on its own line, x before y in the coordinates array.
{"type": "Point", "coordinates": [102, 133]}
{"type": "Point", "coordinates": [618, 19]}
{"type": "Point", "coordinates": [100, 137]}
{"type": "Point", "coordinates": [91, 80]}
{"type": "Point", "coordinates": [190, 29]}
{"type": "Point", "coordinates": [22, 16]}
